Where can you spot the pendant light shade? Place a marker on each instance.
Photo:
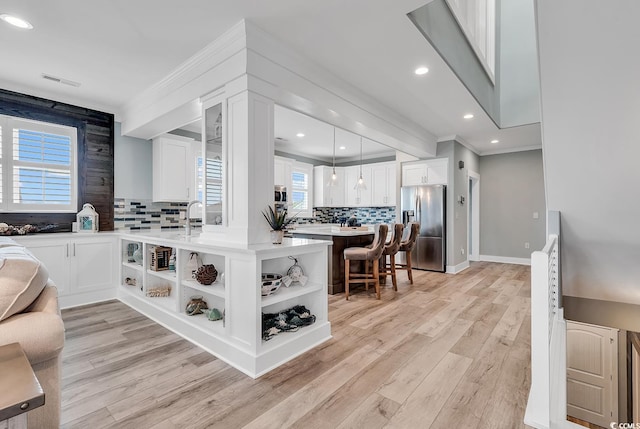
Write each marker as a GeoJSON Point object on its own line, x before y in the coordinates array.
{"type": "Point", "coordinates": [334, 177]}
{"type": "Point", "coordinates": [360, 185]}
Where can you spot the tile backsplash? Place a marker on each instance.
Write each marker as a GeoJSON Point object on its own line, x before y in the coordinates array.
{"type": "Point", "coordinates": [137, 214]}
{"type": "Point", "coordinates": [133, 215]}
{"type": "Point", "coordinates": [364, 214]}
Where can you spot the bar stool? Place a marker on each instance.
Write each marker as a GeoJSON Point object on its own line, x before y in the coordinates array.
{"type": "Point", "coordinates": [407, 246]}
{"type": "Point", "coordinates": [390, 250]}
{"type": "Point", "coordinates": [366, 255]}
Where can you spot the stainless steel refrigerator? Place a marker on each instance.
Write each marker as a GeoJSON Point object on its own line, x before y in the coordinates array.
{"type": "Point", "coordinates": [427, 204]}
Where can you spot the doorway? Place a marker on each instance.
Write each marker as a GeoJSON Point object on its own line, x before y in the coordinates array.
{"type": "Point", "coordinates": [473, 216]}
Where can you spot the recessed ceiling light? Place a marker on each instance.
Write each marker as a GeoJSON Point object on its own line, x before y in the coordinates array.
{"type": "Point", "coordinates": [300, 135]}
{"type": "Point", "coordinates": [495, 141]}
{"type": "Point", "coordinates": [421, 70]}
{"type": "Point", "coordinates": [15, 21]}
{"type": "Point", "coordinates": [342, 147]}
{"type": "Point", "coordinates": [468, 116]}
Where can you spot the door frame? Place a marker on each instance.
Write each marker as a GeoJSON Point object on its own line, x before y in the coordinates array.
{"type": "Point", "coordinates": [473, 216]}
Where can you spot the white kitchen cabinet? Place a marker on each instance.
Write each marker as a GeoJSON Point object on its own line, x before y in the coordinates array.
{"type": "Point", "coordinates": [282, 168]}
{"type": "Point", "coordinates": [325, 195]}
{"type": "Point", "coordinates": [359, 197]}
{"type": "Point", "coordinates": [430, 172]}
{"type": "Point", "coordinates": [82, 268]}
{"type": "Point", "coordinates": [383, 184]}
{"type": "Point", "coordinates": [174, 171]}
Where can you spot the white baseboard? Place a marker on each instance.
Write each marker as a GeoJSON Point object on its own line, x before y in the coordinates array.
{"type": "Point", "coordinates": [505, 259]}
{"type": "Point", "coordinates": [455, 269]}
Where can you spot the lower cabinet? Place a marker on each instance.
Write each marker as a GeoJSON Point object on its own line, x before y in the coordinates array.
{"type": "Point", "coordinates": [234, 332]}
{"type": "Point", "coordinates": [83, 268]}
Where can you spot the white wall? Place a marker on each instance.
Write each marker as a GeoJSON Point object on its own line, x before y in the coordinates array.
{"type": "Point", "coordinates": [132, 166]}
{"type": "Point", "coordinates": [589, 71]}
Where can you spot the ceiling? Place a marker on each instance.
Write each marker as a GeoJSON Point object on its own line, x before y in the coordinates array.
{"type": "Point", "coordinates": [117, 49]}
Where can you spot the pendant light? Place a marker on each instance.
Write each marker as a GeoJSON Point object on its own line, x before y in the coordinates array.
{"type": "Point", "coordinates": [334, 177]}
{"type": "Point", "coordinates": [360, 185]}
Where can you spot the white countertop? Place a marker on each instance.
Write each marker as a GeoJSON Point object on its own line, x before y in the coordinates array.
{"type": "Point", "coordinates": [330, 230]}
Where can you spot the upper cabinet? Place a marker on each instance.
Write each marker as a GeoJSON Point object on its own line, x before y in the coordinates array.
{"type": "Point", "coordinates": [282, 168]}
{"type": "Point", "coordinates": [383, 184]}
{"type": "Point", "coordinates": [430, 172]}
{"type": "Point", "coordinates": [328, 192]}
{"type": "Point", "coordinates": [174, 160]}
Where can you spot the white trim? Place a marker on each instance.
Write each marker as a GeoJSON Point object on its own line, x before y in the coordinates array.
{"type": "Point", "coordinates": [455, 269]}
{"type": "Point", "coordinates": [505, 259]}
{"type": "Point", "coordinates": [511, 150]}
{"type": "Point", "coordinates": [473, 215]}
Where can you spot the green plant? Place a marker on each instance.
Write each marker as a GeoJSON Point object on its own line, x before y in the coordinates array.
{"type": "Point", "coordinates": [277, 220]}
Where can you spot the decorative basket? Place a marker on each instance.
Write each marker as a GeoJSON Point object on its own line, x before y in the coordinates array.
{"type": "Point", "coordinates": [206, 274]}
{"type": "Point", "coordinates": [270, 283]}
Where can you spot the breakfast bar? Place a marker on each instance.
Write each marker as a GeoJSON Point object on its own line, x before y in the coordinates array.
{"type": "Point", "coordinates": [342, 237]}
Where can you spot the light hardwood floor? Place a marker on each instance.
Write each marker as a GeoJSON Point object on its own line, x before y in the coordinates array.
{"type": "Point", "coordinates": [448, 352]}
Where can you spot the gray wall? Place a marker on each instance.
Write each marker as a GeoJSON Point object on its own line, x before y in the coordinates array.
{"type": "Point", "coordinates": [133, 161]}
{"type": "Point", "coordinates": [590, 114]}
{"type": "Point", "coordinates": [461, 188]}
{"type": "Point", "coordinates": [458, 185]}
{"type": "Point", "coordinates": [511, 189]}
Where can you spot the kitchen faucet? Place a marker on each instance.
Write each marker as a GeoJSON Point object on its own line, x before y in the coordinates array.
{"type": "Point", "coordinates": [187, 226]}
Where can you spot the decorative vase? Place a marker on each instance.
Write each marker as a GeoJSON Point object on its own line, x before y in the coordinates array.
{"type": "Point", "coordinates": [276, 236]}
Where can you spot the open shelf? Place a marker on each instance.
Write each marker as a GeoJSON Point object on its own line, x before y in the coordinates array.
{"type": "Point", "coordinates": [285, 293]}
{"type": "Point", "coordinates": [216, 289]}
{"type": "Point", "coordinates": [133, 266]}
{"type": "Point", "coordinates": [166, 274]}
{"type": "Point", "coordinates": [168, 302]}
{"type": "Point", "coordinates": [132, 290]}
{"type": "Point", "coordinates": [201, 321]}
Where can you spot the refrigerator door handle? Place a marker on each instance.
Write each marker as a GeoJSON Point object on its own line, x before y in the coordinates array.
{"type": "Point", "coordinates": [418, 208]}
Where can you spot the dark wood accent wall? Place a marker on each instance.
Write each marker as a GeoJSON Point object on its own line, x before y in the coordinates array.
{"type": "Point", "coordinates": [95, 157]}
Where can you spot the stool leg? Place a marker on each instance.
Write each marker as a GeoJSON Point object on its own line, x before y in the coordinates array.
{"type": "Point", "coordinates": [376, 276]}
{"type": "Point", "coordinates": [366, 274]}
{"type": "Point", "coordinates": [393, 272]}
{"type": "Point", "coordinates": [346, 278]}
{"type": "Point", "coordinates": [409, 272]}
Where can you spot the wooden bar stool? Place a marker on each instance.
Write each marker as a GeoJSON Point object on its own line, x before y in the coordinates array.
{"type": "Point", "coordinates": [390, 250]}
{"type": "Point", "coordinates": [366, 255]}
{"type": "Point", "coordinates": [407, 246]}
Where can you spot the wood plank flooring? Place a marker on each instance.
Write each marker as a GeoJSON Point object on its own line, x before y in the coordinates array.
{"type": "Point", "coordinates": [449, 351]}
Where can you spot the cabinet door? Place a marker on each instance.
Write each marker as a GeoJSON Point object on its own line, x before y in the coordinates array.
{"type": "Point", "coordinates": [364, 196]}
{"type": "Point", "coordinates": [437, 172]}
{"type": "Point", "coordinates": [93, 263]}
{"type": "Point", "coordinates": [336, 192]}
{"type": "Point", "coordinates": [351, 175]}
{"type": "Point", "coordinates": [172, 172]}
{"type": "Point", "coordinates": [55, 257]}
{"type": "Point", "coordinates": [379, 185]}
{"type": "Point", "coordinates": [391, 185]}
{"type": "Point", "coordinates": [413, 174]}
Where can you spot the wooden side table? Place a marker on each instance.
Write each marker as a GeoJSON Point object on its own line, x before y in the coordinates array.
{"type": "Point", "coordinates": [20, 390]}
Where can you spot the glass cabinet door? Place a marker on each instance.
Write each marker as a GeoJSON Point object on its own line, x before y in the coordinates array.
{"type": "Point", "coordinates": [214, 173]}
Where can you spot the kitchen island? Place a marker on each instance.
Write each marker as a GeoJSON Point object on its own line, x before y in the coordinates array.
{"type": "Point", "coordinates": [236, 333]}
{"type": "Point", "coordinates": [341, 240]}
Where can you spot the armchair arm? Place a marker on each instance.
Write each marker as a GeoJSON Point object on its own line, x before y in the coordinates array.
{"type": "Point", "coordinates": [40, 333]}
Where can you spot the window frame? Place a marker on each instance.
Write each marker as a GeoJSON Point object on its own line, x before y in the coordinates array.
{"type": "Point", "coordinates": [8, 125]}
{"type": "Point", "coordinates": [307, 169]}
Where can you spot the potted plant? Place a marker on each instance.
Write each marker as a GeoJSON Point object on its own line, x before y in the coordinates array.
{"type": "Point", "coordinates": [278, 221]}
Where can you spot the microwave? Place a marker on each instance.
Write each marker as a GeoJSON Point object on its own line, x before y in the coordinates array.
{"type": "Point", "coordinates": [280, 194]}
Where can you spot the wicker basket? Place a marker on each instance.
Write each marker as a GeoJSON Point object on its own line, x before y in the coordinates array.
{"type": "Point", "coordinates": [206, 274]}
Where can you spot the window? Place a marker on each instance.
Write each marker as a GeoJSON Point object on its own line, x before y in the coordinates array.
{"type": "Point", "coordinates": [301, 175]}
{"type": "Point", "coordinates": [37, 166]}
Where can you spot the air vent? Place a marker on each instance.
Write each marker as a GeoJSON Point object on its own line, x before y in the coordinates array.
{"type": "Point", "coordinates": [60, 80]}
{"type": "Point", "coordinates": [281, 139]}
